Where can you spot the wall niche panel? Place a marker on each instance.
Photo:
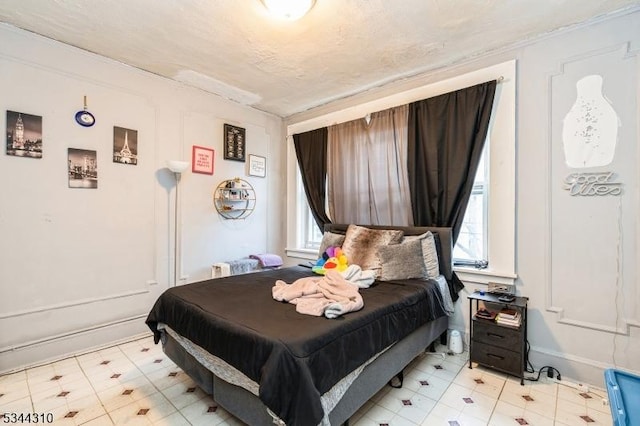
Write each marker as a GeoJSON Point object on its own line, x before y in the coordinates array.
{"type": "Point", "coordinates": [593, 189]}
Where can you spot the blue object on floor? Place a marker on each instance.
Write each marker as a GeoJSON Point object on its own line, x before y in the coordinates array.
{"type": "Point", "coordinates": [624, 397]}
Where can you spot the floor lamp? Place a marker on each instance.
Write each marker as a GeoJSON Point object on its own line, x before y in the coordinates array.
{"type": "Point", "coordinates": [177, 167]}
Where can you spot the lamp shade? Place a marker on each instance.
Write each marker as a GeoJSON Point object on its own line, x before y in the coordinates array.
{"type": "Point", "coordinates": [177, 166]}
{"type": "Point", "coordinates": [288, 9]}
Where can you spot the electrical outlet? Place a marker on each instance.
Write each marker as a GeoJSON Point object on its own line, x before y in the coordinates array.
{"type": "Point", "coordinates": [605, 402]}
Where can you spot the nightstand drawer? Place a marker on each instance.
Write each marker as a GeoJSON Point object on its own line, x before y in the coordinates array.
{"type": "Point", "coordinates": [496, 335]}
{"type": "Point", "coordinates": [498, 358]}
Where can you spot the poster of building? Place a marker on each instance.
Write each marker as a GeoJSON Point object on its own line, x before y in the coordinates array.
{"type": "Point", "coordinates": [24, 135]}
{"type": "Point", "coordinates": [83, 168]}
{"type": "Point", "coordinates": [125, 146]}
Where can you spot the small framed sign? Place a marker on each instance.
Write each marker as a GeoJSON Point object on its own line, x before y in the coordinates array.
{"type": "Point", "coordinates": [257, 166]}
{"type": "Point", "coordinates": [234, 143]}
{"type": "Point", "coordinates": [202, 160]}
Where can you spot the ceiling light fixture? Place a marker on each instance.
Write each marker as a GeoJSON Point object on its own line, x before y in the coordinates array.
{"type": "Point", "coordinates": [288, 9]}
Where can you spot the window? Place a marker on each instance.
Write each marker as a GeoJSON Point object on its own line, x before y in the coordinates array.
{"type": "Point", "coordinates": [310, 233]}
{"type": "Point", "coordinates": [489, 231]}
{"type": "Point", "coordinates": [313, 234]}
{"type": "Point", "coordinates": [471, 247]}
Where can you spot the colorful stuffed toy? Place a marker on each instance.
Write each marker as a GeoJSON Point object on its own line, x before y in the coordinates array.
{"type": "Point", "coordinates": [332, 258]}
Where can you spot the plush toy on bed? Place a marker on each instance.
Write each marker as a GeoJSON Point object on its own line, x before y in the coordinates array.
{"type": "Point", "coordinates": [332, 258]}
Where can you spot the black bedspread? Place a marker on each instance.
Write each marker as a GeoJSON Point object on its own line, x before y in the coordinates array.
{"type": "Point", "coordinates": [294, 358]}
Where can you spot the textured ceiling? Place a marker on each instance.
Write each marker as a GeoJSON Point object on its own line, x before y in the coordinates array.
{"type": "Point", "coordinates": [342, 47]}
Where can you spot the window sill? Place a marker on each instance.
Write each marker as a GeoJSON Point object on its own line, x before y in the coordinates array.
{"type": "Point", "coordinates": [302, 253]}
{"type": "Point", "coordinates": [484, 276]}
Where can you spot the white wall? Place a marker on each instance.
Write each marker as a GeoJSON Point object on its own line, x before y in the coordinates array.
{"type": "Point", "coordinates": [80, 268]}
{"type": "Point", "coordinates": [575, 256]}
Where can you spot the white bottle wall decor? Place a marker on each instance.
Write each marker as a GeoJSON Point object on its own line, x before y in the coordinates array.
{"type": "Point", "coordinates": [590, 128]}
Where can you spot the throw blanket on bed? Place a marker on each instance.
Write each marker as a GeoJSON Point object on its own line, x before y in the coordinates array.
{"type": "Point", "coordinates": [355, 275]}
{"type": "Point", "coordinates": [447, 301]}
{"type": "Point", "coordinates": [331, 295]}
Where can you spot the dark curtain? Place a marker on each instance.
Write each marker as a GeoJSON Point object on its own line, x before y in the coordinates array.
{"type": "Point", "coordinates": [311, 151]}
{"type": "Point", "coordinates": [446, 138]}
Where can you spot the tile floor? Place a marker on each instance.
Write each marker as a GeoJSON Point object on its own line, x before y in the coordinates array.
{"type": "Point", "coordinates": [135, 383]}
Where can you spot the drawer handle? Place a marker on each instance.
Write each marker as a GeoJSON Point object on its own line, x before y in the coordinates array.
{"type": "Point", "coordinates": [495, 356]}
{"type": "Point", "coordinates": [495, 335]}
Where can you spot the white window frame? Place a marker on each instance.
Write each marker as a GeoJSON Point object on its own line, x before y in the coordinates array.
{"type": "Point", "coordinates": [482, 188]}
{"type": "Point", "coordinates": [305, 218]}
{"type": "Point", "coordinates": [502, 179]}
{"type": "Point", "coordinates": [298, 211]}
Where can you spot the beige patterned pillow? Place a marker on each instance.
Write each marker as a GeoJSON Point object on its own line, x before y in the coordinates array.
{"type": "Point", "coordinates": [402, 261]}
{"type": "Point", "coordinates": [429, 253]}
{"type": "Point", "coordinates": [361, 245]}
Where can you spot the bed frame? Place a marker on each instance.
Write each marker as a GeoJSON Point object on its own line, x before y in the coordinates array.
{"type": "Point", "coordinates": [248, 407]}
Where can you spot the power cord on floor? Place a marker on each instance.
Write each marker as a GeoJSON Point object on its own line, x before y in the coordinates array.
{"type": "Point", "coordinates": [550, 371]}
{"type": "Point", "coordinates": [529, 367]}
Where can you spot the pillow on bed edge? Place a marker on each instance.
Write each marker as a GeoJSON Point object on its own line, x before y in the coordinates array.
{"type": "Point", "coordinates": [361, 245]}
{"type": "Point", "coordinates": [330, 239]}
{"type": "Point", "coordinates": [402, 261]}
{"type": "Point", "coordinates": [429, 253]}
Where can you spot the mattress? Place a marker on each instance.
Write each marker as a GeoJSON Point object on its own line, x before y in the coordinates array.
{"type": "Point", "coordinates": [231, 375]}
{"type": "Point", "coordinates": [294, 358]}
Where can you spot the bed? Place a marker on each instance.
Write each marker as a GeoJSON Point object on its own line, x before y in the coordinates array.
{"type": "Point", "coordinates": [264, 362]}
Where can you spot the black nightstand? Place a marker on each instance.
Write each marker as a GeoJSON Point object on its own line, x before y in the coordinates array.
{"type": "Point", "coordinates": [498, 346]}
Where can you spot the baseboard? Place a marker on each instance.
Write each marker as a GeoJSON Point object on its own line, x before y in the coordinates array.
{"type": "Point", "coordinates": [72, 344]}
{"type": "Point", "coordinates": [572, 368]}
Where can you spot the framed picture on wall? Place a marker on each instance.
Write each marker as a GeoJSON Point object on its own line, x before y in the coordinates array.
{"type": "Point", "coordinates": [234, 143]}
{"type": "Point", "coordinates": [257, 166]}
{"type": "Point", "coordinates": [202, 160]}
{"type": "Point", "coordinates": [24, 135]}
{"type": "Point", "coordinates": [125, 146]}
{"type": "Point", "coordinates": [82, 168]}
